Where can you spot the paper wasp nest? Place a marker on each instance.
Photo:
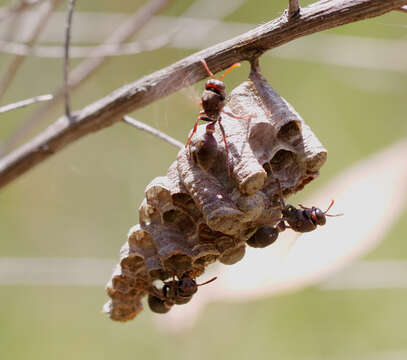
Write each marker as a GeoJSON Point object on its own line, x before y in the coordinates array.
{"type": "Point", "coordinates": [192, 217]}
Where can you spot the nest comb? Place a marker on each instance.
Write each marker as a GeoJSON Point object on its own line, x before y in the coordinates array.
{"type": "Point", "coordinates": [193, 216]}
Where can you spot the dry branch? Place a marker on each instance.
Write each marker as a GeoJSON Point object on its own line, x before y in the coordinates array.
{"type": "Point", "coordinates": [42, 19]}
{"type": "Point", "coordinates": [293, 8]}
{"type": "Point", "coordinates": [96, 51]}
{"type": "Point", "coordinates": [157, 133]}
{"type": "Point", "coordinates": [17, 7]}
{"type": "Point", "coordinates": [89, 66]}
{"type": "Point", "coordinates": [68, 25]}
{"type": "Point", "coordinates": [316, 17]}
{"type": "Point", "coordinates": [24, 103]}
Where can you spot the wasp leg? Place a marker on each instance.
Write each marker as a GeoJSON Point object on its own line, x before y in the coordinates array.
{"type": "Point", "coordinates": [226, 145]}
{"type": "Point", "coordinates": [193, 131]}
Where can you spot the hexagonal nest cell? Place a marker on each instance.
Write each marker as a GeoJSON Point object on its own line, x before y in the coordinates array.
{"type": "Point", "coordinates": [194, 216]}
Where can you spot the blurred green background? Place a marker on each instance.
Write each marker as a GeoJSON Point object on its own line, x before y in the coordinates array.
{"type": "Point", "coordinates": [81, 202]}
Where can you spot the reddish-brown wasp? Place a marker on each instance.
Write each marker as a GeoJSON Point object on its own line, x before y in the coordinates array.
{"type": "Point", "coordinates": [213, 101]}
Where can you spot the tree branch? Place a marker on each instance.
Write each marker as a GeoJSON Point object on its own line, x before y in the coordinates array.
{"type": "Point", "coordinates": [24, 103]}
{"type": "Point", "coordinates": [157, 133]}
{"type": "Point", "coordinates": [316, 17]}
{"type": "Point", "coordinates": [68, 25]}
{"type": "Point", "coordinates": [104, 50]}
{"type": "Point", "coordinates": [42, 19]}
{"type": "Point", "coordinates": [89, 66]}
{"type": "Point", "coordinates": [293, 8]}
{"type": "Point", "coordinates": [16, 7]}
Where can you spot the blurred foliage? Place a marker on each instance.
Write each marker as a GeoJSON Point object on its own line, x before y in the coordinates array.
{"type": "Point", "coordinates": [82, 202]}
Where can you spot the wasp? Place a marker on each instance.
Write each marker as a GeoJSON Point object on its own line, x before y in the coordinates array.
{"type": "Point", "coordinates": [302, 219]}
{"type": "Point", "coordinates": [213, 101]}
{"type": "Point", "coordinates": [177, 292]}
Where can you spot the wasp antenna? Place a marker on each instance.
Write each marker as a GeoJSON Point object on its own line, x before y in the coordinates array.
{"type": "Point", "coordinates": [329, 207]}
{"type": "Point", "coordinates": [333, 215]}
{"type": "Point", "coordinates": [229, 70]}
{"type": "Point", "coordinates": [207, 69]}
{"type": "Point", "coordinates": [207, 282]}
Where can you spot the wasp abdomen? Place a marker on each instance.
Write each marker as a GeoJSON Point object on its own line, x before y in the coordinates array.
{"type": "Point", "coordinates": [158, 305]}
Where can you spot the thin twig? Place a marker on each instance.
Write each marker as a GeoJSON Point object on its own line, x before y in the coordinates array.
{"type": "Point", "coordinates": [26, 102]}
{"type": "Point", "coordinates": [71, 7]}
{"type": "Point", "coordinates": [316, 17]}
{"type": "Point", "coordinates": [88, 67]}
{"type": "Point", "coordinates": [103, 50]}
{"type": "Point", "coordinates": [293, 8]}
{"type": "Point", "coordinates": [322, 48]}
{"type": "Point", "coordinates": [147, 128]}
{"type": "Point", "coordinates": [14, 24]}
{"type": "Point", "coordinates": [19, 6]}
{"type": "Point", "coordinates": [41, 20]}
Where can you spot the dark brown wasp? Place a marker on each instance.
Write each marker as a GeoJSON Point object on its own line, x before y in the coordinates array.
{"type": "Point", "coordinates": [302, 219]}
{"type": "Point", "coordinates": [173, 292]}
{"type": "Point", "coordinates": [212, 102]}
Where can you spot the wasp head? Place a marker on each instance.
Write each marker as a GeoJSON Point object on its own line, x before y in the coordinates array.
{"type": "Point", "coordinates": [318, 216]}
{"type": "Point", "coordinates": [187, 286]}
{"type": "Point", "coordinates": [216, 86]}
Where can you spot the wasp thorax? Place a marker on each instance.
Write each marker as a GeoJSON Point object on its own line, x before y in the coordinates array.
{"type": "Point", "coordinates": [289, 211]}
{"type": "Point", "coordinates": [212, 104]}
{"type": "Point", "coordinates": [300, 220]}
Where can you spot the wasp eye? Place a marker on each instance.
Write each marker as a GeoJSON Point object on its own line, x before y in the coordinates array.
{"type": "Point", "coordinates": [320, 217]}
